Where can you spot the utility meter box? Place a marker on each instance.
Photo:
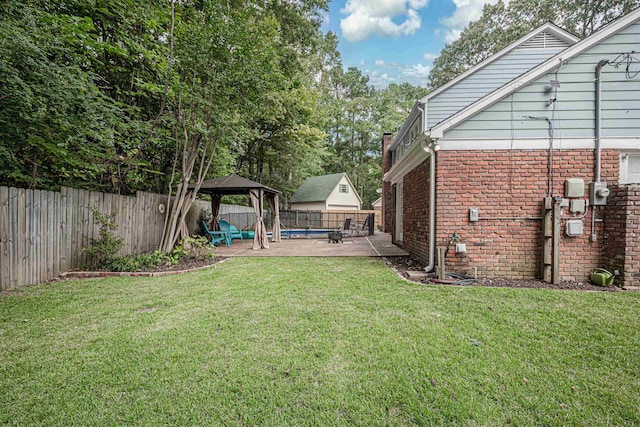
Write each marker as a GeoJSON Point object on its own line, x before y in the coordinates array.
{"type": "Point", "coordinates": [574, 187]}
{"type": "Point", "coordinates": [573, 228]}
{"type": "Point", "coordinates": [578, 205]}
{"type": "Point", "coordinates": [598, 193]}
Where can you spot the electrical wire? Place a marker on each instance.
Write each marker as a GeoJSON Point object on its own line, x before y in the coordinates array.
{"type": "Point", "coordinates": [628, 60]}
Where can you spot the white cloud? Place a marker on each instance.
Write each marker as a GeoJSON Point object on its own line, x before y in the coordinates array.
{"type": "Point", "coordinates": [466, 11]}
{"type": "Point", "coordinates": [430, 56]}
{"type": "Point", "coordinates": [366, 17]}
{"type": "Point", "coordinates": [383, 63]}
{"type": "Point", "coordinates": [417, 71]}
{"type": "Point", "coordinates": [393, 73]}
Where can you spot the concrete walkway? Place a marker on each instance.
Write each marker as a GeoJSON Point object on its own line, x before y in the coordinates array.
{"type": "Point", "coordinates": [378, 245]}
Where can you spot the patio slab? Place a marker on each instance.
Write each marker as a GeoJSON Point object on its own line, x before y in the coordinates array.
{"type": "Point", "coordinates": [378, 245]}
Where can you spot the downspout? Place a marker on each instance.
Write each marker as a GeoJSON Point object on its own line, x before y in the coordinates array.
{"type": "Point", "coordinates": [432, 208]}
{"type": "Point", "coordinates": [598, 118]}
{"type": "Point", "coordinates": [432, 194]}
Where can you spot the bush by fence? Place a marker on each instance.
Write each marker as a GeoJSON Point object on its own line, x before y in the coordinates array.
{"type": "Point", "coordinates": [43, 233]}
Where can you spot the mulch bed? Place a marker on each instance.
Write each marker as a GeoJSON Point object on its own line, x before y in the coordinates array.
{"type": "Point", "coordinates": [162, 270]}
{"type": "Point", "coordinates": [404, 264]}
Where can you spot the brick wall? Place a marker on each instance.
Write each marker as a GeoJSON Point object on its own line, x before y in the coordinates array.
{"type": "Point", "coordinates": [387, 196]}
{"type": "Point", "coordinates": [508, 188]}
{"type": "Point", "coordinates": [622, 232]}
{"type": "Point", "coordinates": [415, 227]}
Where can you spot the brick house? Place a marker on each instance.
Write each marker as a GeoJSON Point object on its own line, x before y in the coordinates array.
{"type": "Point", "coordinates": [529, 161]}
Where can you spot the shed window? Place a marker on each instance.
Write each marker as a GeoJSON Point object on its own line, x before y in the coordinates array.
{"type": "Point", "coordinates": [344, 188]}
{"type": "Point", "coordinates": [630, 168]}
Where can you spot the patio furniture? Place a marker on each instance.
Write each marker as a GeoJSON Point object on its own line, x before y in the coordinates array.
{"type": "Point", "coordinates": [216, 236]}
{"type": "Point", "coordinates": [232, 231]}
{"type": "Point", "coordinates": [346, 228]}
{"type": "Point", "coordinates": [335, 236]}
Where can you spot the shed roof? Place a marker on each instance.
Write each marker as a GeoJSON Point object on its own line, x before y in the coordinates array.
{"type": "Point", "coordinates": [317, 188]}
{"type": "Point", "coordinates": [230, 184]}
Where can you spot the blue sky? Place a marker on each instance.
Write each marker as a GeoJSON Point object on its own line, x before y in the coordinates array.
{"type": "Point", "coordinates": [395, 41]}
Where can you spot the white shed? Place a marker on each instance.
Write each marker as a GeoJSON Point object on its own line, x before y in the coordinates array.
{"type": "Point", "coordinates": [326, 192]}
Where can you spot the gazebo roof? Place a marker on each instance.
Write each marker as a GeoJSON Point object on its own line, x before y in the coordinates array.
{"type": "Point", "coordinates": [231, 184]}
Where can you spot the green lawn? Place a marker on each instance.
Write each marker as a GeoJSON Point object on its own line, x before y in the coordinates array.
{"type": "Point", "coordinates": [315, 341]}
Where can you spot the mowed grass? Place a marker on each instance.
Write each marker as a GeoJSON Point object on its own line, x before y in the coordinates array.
{"type": "Point", "coordinates": [315, 341]}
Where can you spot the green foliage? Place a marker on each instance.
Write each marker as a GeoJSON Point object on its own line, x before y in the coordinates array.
{"type": "Point", "coordinates": [502, 24]}
{"type": "Point", "coordinates": [196, 248]}
{"type": "Point", "coordinates": [193, 248]}
{"type": "Point", "coordinates": [102, 251]}
{"type": "Point", "coordinates": [138, 262]}
{"type": "Point", "coordinates": [98, 95]}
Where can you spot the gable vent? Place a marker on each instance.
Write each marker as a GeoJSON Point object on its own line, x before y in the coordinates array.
{"type": "Point", "coordinates": [544, 40]}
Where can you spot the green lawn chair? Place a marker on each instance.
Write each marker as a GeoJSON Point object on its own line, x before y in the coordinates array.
{"type": "Point", "coordinates": [231, 230]}
{"type": "Point", "coordinates": [216, 236]}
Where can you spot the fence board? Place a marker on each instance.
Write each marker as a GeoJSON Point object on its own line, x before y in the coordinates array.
{"type": "Point", "coordinates": [75, 227]}
{"type": "Point", "coordinates": [22, 236]}
{"type": "Point", "coordinates": [57, 232]}
{"type": "Point", "coordinates": [67, 213]}
{"type": "Point", "coordinates": [5, 261]}
{"type": "Point", "coordinates": [84, 233]}
{"type": "Point", "coordinates": [38, 220]}
{"type": "Point", "coordinates": [13, 235]}
{"type": "Point", "coordinates": [31, 251]}
{"type": "Point", "coordinates": [50, 233]}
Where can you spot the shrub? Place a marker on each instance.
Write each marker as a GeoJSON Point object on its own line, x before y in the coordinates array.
{"type": "Point", "coordinates": [193, 248]}
{"type": "Point", "coordinates": [102, 251]}
{"type": "Point", "coordinates": [190, 249]}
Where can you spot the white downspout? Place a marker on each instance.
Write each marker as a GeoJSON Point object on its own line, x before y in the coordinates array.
{"type": "Point", "coordinates": [432, 209]}
{"type": "Point", "coordinates": [432, 193]}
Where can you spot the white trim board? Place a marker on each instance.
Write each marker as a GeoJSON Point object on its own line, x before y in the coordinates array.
{"type": "Point", "coordinates": [537, 144]}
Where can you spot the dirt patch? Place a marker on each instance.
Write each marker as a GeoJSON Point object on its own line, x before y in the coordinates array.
{"type": "Point", "coordinates": [404, 264]}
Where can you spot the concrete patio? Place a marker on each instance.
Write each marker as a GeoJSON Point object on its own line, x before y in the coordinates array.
{"type": "Point", "coordinates": [378, 245]}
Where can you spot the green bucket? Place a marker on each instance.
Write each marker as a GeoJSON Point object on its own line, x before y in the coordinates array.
{"type": "Point", "coordinates": [602, 277]}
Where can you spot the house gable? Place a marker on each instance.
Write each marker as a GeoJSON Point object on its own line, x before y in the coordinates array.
{"type": "Point", "coordinates": [344, 196]}
{"type": "Point", "coordinates": [573, 113]}
{"type": "Point", "coordinates": [515, 60]}
{"type": "Point", "coordinates": [446, 100]}
{"type": "Point", "coordinates": [517, 109]}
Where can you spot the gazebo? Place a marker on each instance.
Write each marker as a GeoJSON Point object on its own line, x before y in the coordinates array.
{"type": "Point", "coordinates": [234, 184]}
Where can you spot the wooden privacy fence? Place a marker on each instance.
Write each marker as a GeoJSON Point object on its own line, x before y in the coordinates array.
{"type": "Point", "coordinates": [42, 233]}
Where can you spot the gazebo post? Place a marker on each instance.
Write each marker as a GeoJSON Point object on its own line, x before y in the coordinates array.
{"type": "Point", "coordinates": [215, 209]}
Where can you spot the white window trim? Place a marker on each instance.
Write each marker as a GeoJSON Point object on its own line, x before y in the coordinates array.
{"type": "Point", "coordinates": [625, 177]}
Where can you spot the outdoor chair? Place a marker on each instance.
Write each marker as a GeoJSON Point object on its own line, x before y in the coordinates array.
{"type": "Point", "coordinates": [346, 228]}
{"type": "Point", "coordinates": [358, 230]}
{"type": "Point", "coordinates": [216, 236]}
{"type": "Point", "coordinates": [232, 231]}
